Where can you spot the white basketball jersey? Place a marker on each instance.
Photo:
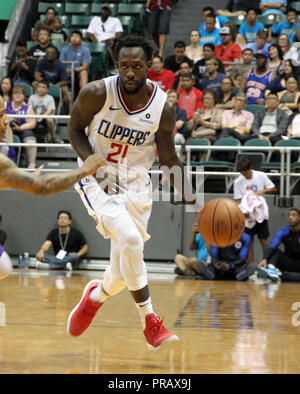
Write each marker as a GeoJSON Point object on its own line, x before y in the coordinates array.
{"type": "Point", "coordinates": [120, 135]}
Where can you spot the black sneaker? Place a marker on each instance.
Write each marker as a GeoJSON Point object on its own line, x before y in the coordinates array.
{"type": "Point", "coordinates": [205, 271]}
{"type": "Point", "coordinates": [248, 271]}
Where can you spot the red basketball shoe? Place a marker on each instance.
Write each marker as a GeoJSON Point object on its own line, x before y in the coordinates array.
{"type": "Point", "coordinates": [84, 312]}
{"type": "Point", "coordinates": [156, 334]}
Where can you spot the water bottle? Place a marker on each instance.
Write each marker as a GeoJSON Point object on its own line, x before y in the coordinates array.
{"type": "Point", "coordinates": [21, 261]}
{"type": "Point", "coordinates": [26, 259]}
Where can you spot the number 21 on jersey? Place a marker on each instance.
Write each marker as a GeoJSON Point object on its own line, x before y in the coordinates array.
{"type": "Point", "coordinates": [118, 150]}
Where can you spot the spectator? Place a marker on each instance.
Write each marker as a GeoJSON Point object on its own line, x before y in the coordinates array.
{"type": "Point", "coordinates": [184, 68]}
{"type": "Point", "coordinates": [289, 27]}
{"type": "Point", "coordinates": [58, 35]}
{"type": "Point", "coordinates": [288, 99]}
{"type": "Point", "coordinates": [159, 22]}
{"type": "Point", "coordinates": [46, 23]}
{"type": "Point", "coordinates": [228, 51]}
{"type": "Point", "coordinates": [199, 69]}
{"type": "Point", "coordinates": [180, 130]}
{"type": "Point", "coordinates": [190, 98]}
{"type": "Point", "coordinates": [270, 123]}
{"type": "Point", "coordinates": [229, 262]}
{"type": "Point", "coordinates": [206, 122]}
{"type": "Point", "coordinates": [220, 19]}
{"type": "Point", "coordinates": [22, 127]}
{"type": "Point", "coordinates": [239, 7]}
{"type": "Point", "coordinates": [276, 63]}
{"type": "Point", "coordinates": [173, 62]}
{"type": "Point", "coordinates": [194, 50]}
{"type": "Point", "coordinates": [5, 136]}
{"type": "Point", "coordinates": [38, 51]}
{"type": "Point", "coordinates": [105, 28]}
{"type": "Point", "coordinates": [293, 130]}
{"type": "Point", "coordinates": [249, 29]}
{"type": "Point", "coordinates": [77, 51]}
{"type": "Point", "coordinates": [214, 79]}
{"type": "Point", "coordinates": [68, 244]}
{"type": "Point", "coordinates": [237, 122]}
{"type": "Point", "coordinates": [3, 234]}
{"type": "Point", "coordinates": [21, 70]}
{"type": "Point", "coordinates": [226, 94]}
{"type": "Point", "coordinates": [258, 183]}
{"type": "Point", "coordinates": [6, 86]}
{"type": "Point", "coordinates": [44, 104]}
{"type": "Point", "coordinates": [272, 7]}
{"type": "Point", "coordinates": [208, 31]}
{"type": "Point", "coordinates": [53, 70]}
{"type": "Point", "coordinates": [289, 52]}
{"type": "Point", "coordinates": [260, 45]}
{"type": "Point", "coordinates": [255, 82]}
{"type": "Point", "coordinates": [287, 261]}
{"type": "Point", "coordinates": [278, 82]}
{"type": "Point", "coordinates": [238, 71]}
{"type": "Point", "coordinates": [188, 266]}
{"type": "Point", "coordinates": [163, 77]}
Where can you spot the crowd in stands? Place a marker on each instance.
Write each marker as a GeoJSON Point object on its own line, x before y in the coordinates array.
{"type": "Point", "coordinates": [224, 70]}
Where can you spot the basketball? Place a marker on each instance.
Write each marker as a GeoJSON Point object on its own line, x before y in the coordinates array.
{"type": "Point", "coordinates": [221, 222]}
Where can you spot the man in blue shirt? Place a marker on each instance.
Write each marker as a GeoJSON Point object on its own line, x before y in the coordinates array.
{"type": "Point", "coordinates": [290, 27]}
{"type": "Point", "coordinates": [214, 79]}
{"type": "Point", "coordinates": [273, 7]}
{"type": "Point", "coordinates": [80, 53]}
{"type": "Point", "coordinates": [53, 70]}
{"type": "Point", "coordinates": [208, 31]}
{"type": "Point", "coordinates": [260, 45]}
{"type": "Point", "coordinates": [249, 29]}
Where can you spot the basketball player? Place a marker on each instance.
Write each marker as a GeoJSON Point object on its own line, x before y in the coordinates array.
{"type": "Point", "coordinates": [126, 116]}
{"type": "Point", "coordinates": [11, 177]}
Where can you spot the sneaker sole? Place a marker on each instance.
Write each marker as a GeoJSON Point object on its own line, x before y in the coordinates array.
{"type": "Point", "coordinates": [75, 308]}
{"type": "Point", "coordinates": [266, 275]}
{"type": "Point", "coordinates": [165, 344]}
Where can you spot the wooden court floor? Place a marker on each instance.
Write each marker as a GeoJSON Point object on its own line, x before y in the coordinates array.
{"type": "Point", "coordinates": [224, 327]}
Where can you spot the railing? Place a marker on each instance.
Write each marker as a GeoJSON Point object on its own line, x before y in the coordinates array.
{"type": "Point", "coordinates": [284, 173]}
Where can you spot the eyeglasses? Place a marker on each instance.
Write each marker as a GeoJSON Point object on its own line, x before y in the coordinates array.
{"type": "Point", "coordinates": [103, 28]}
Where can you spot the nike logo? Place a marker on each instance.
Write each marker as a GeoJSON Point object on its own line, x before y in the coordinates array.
{"type": "Point", "coordinates": [114, 109]}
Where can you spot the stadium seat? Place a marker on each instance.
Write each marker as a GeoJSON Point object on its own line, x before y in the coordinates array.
{"type": "Point", "coordinates": [237, 20]}
{"type": "Point", "coordinates": [26, 87]}
{"type": "Point", "coordinates": [82, 21]}
{"type": "Point", "coordinates": [99, 64]}
{"type": "Point", "coordinates": [127, 23]}
{"type": "Point", "coordinates": [260, 144]}
{"type": "Point", "coordinates": [77, 8]}
{"type": "Point", "coordinates": [197, 142]}
{"type": "Point", "coordinates": [55, 91]}
{"type": "Point", "coordinates": [253, 108]}
{"type": "Point", "coordinates": [137, 11]}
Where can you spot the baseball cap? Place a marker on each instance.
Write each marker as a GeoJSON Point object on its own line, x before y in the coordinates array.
{"type": "Point", "coordinates": [261, 53]}
{"type": "Point", "coordinates": [225, 30]}
{"type": "Point", "coordinates": [107, 6]}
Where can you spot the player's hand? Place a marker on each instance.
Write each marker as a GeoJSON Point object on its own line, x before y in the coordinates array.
{"type": "Point", "coordinates": [40, 255]}
{"type": "Point", "coordinates": [92, 163]}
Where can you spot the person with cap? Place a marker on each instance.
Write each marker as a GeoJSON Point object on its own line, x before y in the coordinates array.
{"type": "Point", "coordinates": [260, 44]}
{"type": "Point", "coordinates": [288, 262]}
{"type": "Point", "coordinates": [227, 51]}
{"type": "Point", "coordinates": [255, 82]}
{"type": "Point", "coordinates": [105, 28]}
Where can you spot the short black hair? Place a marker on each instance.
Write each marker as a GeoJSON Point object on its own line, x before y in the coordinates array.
{"type": "Point", "coordinates": [158, 57]}
{"type": "Point", "coordinates": [133, 41]}
{"type": "Point", "coordinates": [50, 8]}
{"type": "Point", "coordinates": [44, 82]}
{"type": "Point", "coordinates": [188, 75]}
{"type": "Point", "coordinates": [21, 42]}
{"type": "Point", "coordinates": [209, 45]}
{"type": "Point", "coordinates": [180, 44]}
{"type": "Point", "coordinates": [76, 32]}
{"type": "Point", "coordinates": [243, 164]}
{"type": "Point", "coordinates": [66, 212]}
{"type": "Point", "coordinates": [295, 209]}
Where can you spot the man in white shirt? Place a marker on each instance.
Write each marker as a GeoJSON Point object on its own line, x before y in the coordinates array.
{"type": "Point", "coordinates": [105, 28]}
{"type": "Point", "coordinates": [256, 182]}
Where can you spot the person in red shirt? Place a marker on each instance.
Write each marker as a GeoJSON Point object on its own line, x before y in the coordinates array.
{"type": "Point", "coordinates": [190, 98]}
{"type": "Point", "coordinates": [163, 77]}
{"type": "Point", "coordinates": [228, 51]}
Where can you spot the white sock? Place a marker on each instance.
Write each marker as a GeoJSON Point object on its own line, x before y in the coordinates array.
{"type": "Point", "coordinates": [144, 308]}
{"type": "Point", "coordinates": [98, 295]}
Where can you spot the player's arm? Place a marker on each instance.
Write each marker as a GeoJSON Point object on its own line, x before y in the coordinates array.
{"type": "Point", "coordinates": [167, 155]}
{"type": "Point", "coordinates": [12, 177]}
{"type": "Point", "coordinates": [88, 103]}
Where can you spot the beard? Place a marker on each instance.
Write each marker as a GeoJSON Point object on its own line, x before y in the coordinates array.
{"type": "Point", "coordinates": [134, 91]}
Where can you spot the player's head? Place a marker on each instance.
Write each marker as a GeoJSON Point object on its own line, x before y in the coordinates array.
{"type": "Point", "coordinates": [134, 56]}
{"type": "Point", "coordinates": [293, 217]}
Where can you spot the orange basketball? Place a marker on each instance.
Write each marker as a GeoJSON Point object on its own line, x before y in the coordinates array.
{"type": "Point", "coordinates": [221, 222]}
